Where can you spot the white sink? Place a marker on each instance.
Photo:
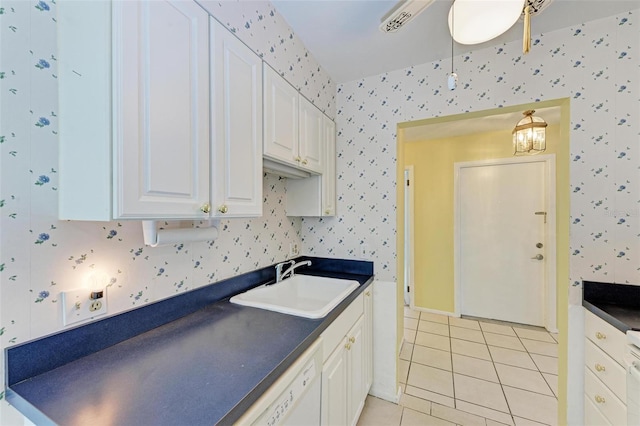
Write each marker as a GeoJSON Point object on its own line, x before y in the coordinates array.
{"type": "Point", "coordinates": [301, 295]}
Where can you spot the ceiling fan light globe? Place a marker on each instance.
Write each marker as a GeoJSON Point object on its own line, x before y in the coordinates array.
{"type": "Point", "coordinates": [477, 21]}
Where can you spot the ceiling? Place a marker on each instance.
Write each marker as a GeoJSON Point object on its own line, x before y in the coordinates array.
{"type": "Point", "coordinates": [460, 127]}
{"type": "Point", "coordinates": [343, 35]}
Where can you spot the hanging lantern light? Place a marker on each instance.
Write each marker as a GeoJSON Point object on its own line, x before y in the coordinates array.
{"type": "Point", "coordinates": [529, 135]}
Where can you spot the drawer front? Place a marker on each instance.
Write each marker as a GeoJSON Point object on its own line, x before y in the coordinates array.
{"type": "Point", "coordinates": [604, 400]}
{"type": "Point", "coordinates": [606, 369]}
{"type": "Point", "coordinates": [339, 328]}
{"type": "Point", "coordinates": [593, 416]}
{"type": "Point", "coordinates": [605, 336]}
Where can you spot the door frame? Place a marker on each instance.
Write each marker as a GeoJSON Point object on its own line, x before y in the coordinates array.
{"type": "Point", "coordinates": [409, 231]}
{"type": "Point", "coordinates": [550, 308]}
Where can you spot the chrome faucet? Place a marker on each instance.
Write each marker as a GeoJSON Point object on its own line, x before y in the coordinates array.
{"type": "Point", "coordinates": [279, 267]}
{"type": "Point", "coordinates": [290, 270]}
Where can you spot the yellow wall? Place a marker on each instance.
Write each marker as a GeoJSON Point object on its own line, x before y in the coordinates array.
{"type": "Point", "coordinates": [433, 168]}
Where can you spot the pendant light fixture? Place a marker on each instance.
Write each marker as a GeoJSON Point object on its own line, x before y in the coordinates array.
{"type": "Point", "coordinates": [483, 20]}
{"type": "Point", "coordinates": [452, 79]}
{"type": "Point", "coordinates": [529, 135]}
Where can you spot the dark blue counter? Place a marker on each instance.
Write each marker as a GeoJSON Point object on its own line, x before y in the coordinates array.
{"type": "Point", "coordinates": [617, 304]}
{"type": "Point", "coordinates": [203, 366]}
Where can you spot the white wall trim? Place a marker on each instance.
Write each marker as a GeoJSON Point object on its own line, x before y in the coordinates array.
{"type": "Point", "coordinates": [385, 332]}
{"type": "Point", "coordinates": [550, 305]}
{"type": "Point", "coordinates": [434, 311]}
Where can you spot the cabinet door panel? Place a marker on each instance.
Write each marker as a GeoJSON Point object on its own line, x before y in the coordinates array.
{"type": "Point", "coordinates": [161, 109]}
{"type": "Point", "coordinates": [280, 118]}
{"type": "Point", "coordinates": [237, 122]}
{"type": "Point", "coordinates": [334, 388]}
{"type": "Point", "coordinates": [329, 173]}
{"type": "Point", "coordinates": [311, 136]}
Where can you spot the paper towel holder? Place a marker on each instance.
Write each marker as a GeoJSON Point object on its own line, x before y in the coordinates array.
{"type": "Point", "coordinates": [155, 237]}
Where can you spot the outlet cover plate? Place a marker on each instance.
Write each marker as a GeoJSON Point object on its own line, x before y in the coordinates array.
{"type": "Point", "coordinates": [76, 306]}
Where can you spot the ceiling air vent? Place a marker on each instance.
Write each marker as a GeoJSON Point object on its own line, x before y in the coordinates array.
{"type": "Point", "coordinates": [402, 13]}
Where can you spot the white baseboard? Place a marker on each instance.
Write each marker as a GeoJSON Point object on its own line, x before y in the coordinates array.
{"type": "Point", "coordinates": [383, 394]}
{"type": "Point", "coordinates": [434, 311]}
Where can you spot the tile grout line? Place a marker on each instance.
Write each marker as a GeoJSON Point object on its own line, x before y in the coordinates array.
{"type": "Point", "coordinates": [453, 382]}
{"type": "Point", "coordinates": [534, 363]}
{"type": "Point", "coordinates": [498, 375]}
{"type": "Point", "coordinates": [455, 400]}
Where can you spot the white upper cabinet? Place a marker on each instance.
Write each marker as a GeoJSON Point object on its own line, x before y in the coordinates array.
{"type": "Point", "coordinates": [311, 146]}
{"type": "Point", "coordinates": [161, 109]}
{"type": "Point", "coordinates": [237, 126]}
{"type": "Point", "coordinates": [293, 129]}
{"type": "Point", "coordinates": [329, 173]}
{"type": "Point", "coordinates": [161, 113]}
{"type": "Point", "coordinates": [316, 195]}
{"type": "Point", "coordinates": [280, 118]}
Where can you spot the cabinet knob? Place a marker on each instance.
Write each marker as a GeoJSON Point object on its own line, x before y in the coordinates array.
{"type": "Point", "coordinates": [298, 159]}
{"type": "Point", "coordinates": [600, 336]}
{"type": "Point", "coordinates": [600, 367]}
{"type": "Point", "coordinates": [367, 293]}
{"type": "Point", "coordinates": [305, 162]}
{"type": "Point", "coordinates": [599, 399]}
{"type": "Point", "coordinates": [352, 339]}
{"type": "Point", "coordinates": [327, 211]}
{"type": "Point", "coordinates": [223, 209]}
{"type": "Point", "coordinates": [206, 208]}
{"type": "Point", "coordinates": [348, 346]}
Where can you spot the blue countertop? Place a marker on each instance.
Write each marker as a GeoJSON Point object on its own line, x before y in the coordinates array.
{"type": "Point", "coordinates": [617, 304]}
{"type": "Point", "coordinates": [206, 367]}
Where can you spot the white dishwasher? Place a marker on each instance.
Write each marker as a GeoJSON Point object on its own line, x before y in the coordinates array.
{"type": "Point", "coordinates": [632, 361]}
{"type": "Point", "coordinates": [294, 399]}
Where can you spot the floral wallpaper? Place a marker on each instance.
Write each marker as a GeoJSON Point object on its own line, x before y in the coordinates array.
{"type": "Point", "coordinates": [596, 65]}
{"type": "Point", "coordinates": [40, 256]}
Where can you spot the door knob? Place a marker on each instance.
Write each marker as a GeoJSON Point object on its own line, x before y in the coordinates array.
{"type": "Point", "coordinates": [538, 257]}
{"type": "Point", "coordinates": [539, 245]}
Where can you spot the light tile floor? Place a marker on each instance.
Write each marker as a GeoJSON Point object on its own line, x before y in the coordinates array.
{"type": "Point", "coordinates": [462, 371]}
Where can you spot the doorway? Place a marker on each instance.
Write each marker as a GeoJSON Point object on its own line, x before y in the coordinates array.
{"type": "Point", "coordinates": [504, 248]}
{"type": "Point", "coordinates": [433, 146]}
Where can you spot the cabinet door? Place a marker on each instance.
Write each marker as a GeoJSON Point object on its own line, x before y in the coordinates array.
{"type": "Point", "coordinates": [280, 118]}
{"type": "Point", "coordinates": [329, 172]}
{"type": "Point", "coordinates": [368, 340]}
{"type": "Point", "coordinates": [311, 137]}
{"type": "Point", "coordinates": [237, 126]}
{"type": "Point", "coordinates": [161, 109]}
{"type": "Point", "coordinates": [356, 382]}
{"type": "Point", "coordinates": [334, 387]}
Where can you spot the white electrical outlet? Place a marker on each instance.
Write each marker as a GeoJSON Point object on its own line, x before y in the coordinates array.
{"type": "Point", "coordinates": [77, 306]}
{"type": "Point", "coordinates": [293, 250]}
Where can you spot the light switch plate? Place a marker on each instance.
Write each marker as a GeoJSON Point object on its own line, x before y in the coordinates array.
{"type": "Point", "coordinates": [77, 306]}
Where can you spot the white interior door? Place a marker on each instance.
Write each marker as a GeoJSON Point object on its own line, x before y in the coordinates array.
{"type": "Point", "coordinates": [501, 241]}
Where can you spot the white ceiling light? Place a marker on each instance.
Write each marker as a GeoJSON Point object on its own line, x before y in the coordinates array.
{"type": "Point", "coordinates": [402, 13]}
{"type": "Point", "coordinates": [478, 21]}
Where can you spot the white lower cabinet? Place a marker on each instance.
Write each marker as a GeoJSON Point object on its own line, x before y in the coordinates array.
{"type": "Point", "coordinates": [604, 375]}
{"type": "Point", "coordinates": [347, 371]}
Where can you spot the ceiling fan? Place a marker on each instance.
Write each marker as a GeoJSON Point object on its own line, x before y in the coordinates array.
{"type": "Point", "coordinates": [476, 21]}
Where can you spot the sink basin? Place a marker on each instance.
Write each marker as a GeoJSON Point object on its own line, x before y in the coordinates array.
{"type": "Point", "coordinates": [301, 295]}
